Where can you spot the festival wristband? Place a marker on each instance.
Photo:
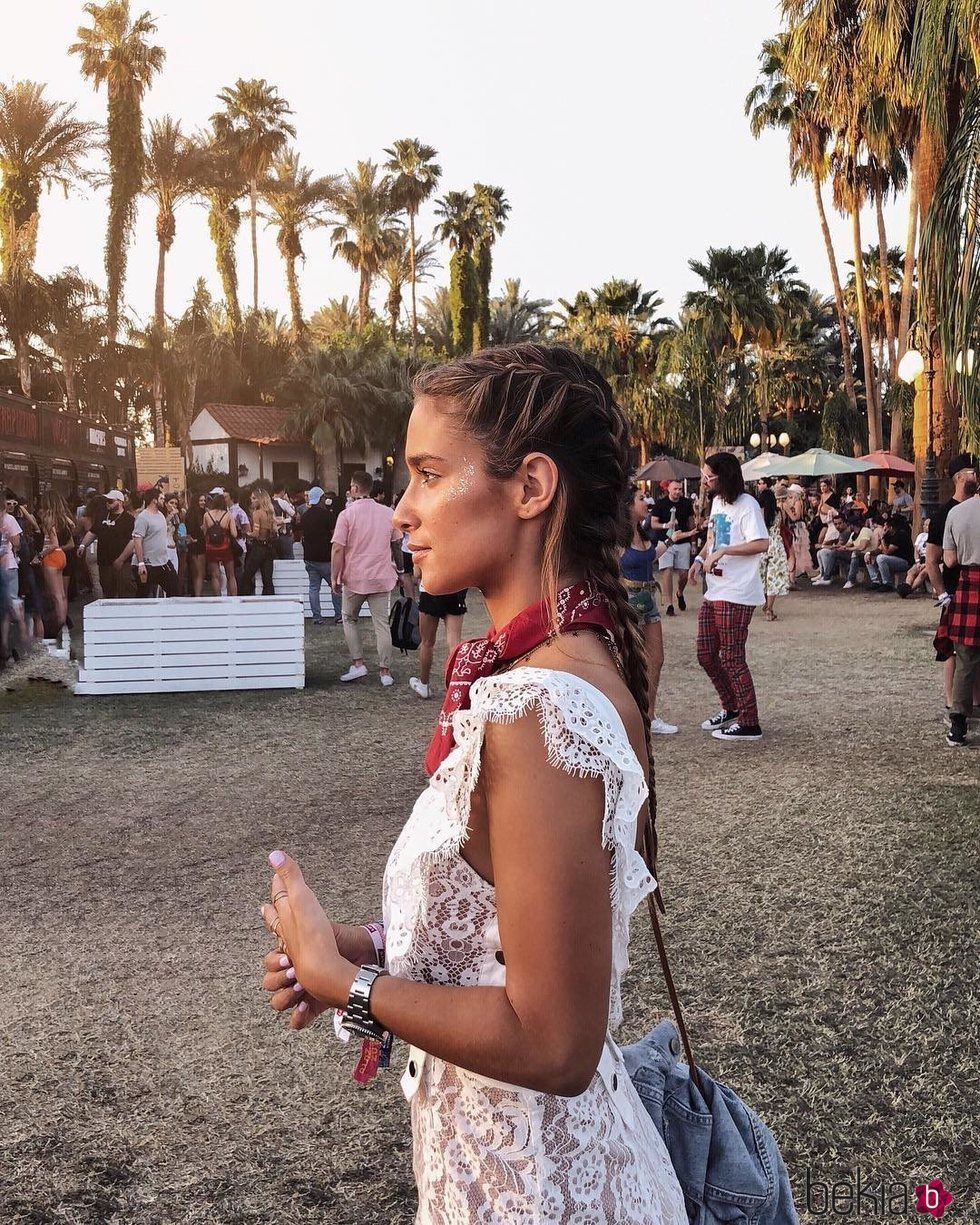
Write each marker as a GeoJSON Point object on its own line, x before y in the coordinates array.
{"type": "Point", "coordinates": [377, 933]}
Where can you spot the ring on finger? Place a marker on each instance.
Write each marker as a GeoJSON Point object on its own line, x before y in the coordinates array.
{"type": "Point", "coordinates": [281, 893]}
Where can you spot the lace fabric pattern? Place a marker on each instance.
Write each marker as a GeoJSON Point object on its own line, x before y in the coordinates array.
{"type": "Point", "coordinates": [484, 1151]}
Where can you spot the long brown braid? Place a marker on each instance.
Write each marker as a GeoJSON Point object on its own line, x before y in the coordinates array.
{"type": "Point", "coordinates": [529, 397]}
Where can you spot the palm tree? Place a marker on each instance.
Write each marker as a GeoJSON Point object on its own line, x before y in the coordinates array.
{"type": "Point", "coordinates": [491, 208]}
{"type": "Point", "coordinates": [437, 321]}
{"type": "Point", "coordinates": [173, 168]}
{"type": "Point", "coordinates": [781, 101]}
{"type": "Point", "coordinates": [203, 354]}
{"type": "Point", "coordinates": [115, 51]}
{"type": "Point", "coordinates": [74, 326]}
{"type": "Point", "coordinates": [461, 229]}
{"type": "Point", "coordinates": [345, 397]}
{"type": "Point", "coordinates": [295, 200]}
{"type": "Point", "coordinates": [744, 310]}
{"type": "Point", "coordinates": [338, 317]}
{"type": "Point", "coordinates": [23, 297]}
{"type": "Point", "coordinates": [415, 176]}
{"type": "Point", "coordinates": [514, 317]}
{"type": "Point", "coordinates": [222, 186]}
{"type": "Point", "coordinates": [253, 124]}
{"type": "Point", "coordinates": [41, 145]}
{"type": "Point", "coordinates": [826, 44]}
{"type": "Point", "coordinates": [363, 227]}
{"type": "Point", "coordinates": [404, 265]}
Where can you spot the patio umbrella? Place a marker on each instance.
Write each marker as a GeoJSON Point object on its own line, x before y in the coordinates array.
{"type": "Point", "coordinates": [883, 463]}
{"type": "Point", "coordinates": [667, 468]}
{"type": "Point", "coordinates": [817, 462]}
{"type": "Point", "coordinates": [752, 469]}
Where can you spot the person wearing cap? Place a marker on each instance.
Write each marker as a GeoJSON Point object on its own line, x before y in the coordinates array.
{"type": "Point", "coordinates": [318, 525]}
{"type": "Point", "coordinates": [114, 535]}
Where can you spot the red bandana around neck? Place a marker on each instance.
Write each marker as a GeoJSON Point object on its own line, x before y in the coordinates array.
{"type": "Point", "coordinates": [579, 606]}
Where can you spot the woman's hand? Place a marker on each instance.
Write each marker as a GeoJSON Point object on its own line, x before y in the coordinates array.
{"type": "Point", "coordinates": [298, 921]}
{"type": "Point", "coordinates": [280, 980]}
{"type": "Point", "coordinates": [714, 557]}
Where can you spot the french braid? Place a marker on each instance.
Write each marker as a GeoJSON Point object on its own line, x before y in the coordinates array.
{"type": "Point", "coordinates": [529, 397]}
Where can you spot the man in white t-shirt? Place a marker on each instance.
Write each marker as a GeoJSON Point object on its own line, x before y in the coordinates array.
{"type": "Point", "coordinates": [730, 561]}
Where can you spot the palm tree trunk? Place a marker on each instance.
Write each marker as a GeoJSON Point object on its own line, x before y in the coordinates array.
{"type": "Point", "coordinates": [158, 312]}
{"type": "Point", "coordinates": [292, 286]}
{"type": "Point", "coordinates": [845, 334]}
{"type": "Point", "coordinates": [71, 385]}
{"type": "Point", "coordinates": [886, 289]}
{"type": "Point", "coordinates": [411, 259]}
{"type": "Point", "coordinates": [253, 199]}
{"type": "Point", "coordinates": [23, 355]}
{"type": "Point", "coordinates": [363, 298]}
{"type": "Point", "coordinates": [908, 271]}
{"type": "Point", "coordinates": [158, 427]}
{"type": "Point", "coordinates": [897, 444]}
{"type": "Point", "coordinates": [930, 155]}
{"type": "Point", "coordinates": [871, 399]}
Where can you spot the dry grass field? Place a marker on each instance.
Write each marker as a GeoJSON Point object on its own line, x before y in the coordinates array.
{"type": "Point", "coordinates": [821, 887]}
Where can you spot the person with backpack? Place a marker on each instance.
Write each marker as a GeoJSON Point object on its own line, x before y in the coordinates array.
{"type": "Point", "coordinates": [508, 894]}
{"type": "Point", "coordinates": [432, 609]}
{"type": "Point", "coordinates": [220, 529]}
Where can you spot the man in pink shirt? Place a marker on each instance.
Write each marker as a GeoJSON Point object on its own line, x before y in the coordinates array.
{"type": "Point", "coordinates": [362, 567]}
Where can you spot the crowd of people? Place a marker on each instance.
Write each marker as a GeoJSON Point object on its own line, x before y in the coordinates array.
{"type": "Point", "coordinates": [775, 538]}
{"type": "Point", "coordinates": [118, 545]}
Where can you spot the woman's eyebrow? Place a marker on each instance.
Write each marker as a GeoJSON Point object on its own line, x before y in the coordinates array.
{"type": "Point", "coordinates": [423, 457]}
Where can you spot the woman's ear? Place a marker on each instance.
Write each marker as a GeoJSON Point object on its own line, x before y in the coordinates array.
{"type": "Point", "coordinates": [537, 482]}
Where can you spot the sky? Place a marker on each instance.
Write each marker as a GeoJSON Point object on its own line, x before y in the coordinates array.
{"type": "Point", "coordinates": [616, 129]}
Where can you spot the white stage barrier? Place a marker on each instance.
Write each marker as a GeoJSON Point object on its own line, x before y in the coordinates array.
{"type": "Point", "coordinates": [185, 645]}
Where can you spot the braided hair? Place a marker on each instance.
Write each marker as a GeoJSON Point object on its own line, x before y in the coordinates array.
{"type": "Point", "coordinates": [516, 399]}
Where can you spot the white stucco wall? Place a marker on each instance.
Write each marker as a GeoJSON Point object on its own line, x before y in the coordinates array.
{"type": "Point", "coordinates": [205, 426]}
{"type": "Point", "coordinates": [213, 453]}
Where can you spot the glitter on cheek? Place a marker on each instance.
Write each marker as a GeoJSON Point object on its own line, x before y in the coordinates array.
{"type": "Point", "coordinates": [462, 485]}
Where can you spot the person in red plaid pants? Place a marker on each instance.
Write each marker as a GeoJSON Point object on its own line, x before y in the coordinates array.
{"type": "Point", "coordinates": [730, 561]}
{"type": "Point", "coordinates": [961, 546]}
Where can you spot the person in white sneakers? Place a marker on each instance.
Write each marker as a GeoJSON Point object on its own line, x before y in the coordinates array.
{"type": "Point", "coordinates": [432, 610]}
{"type": "Point", "coordinates": [362, 568]}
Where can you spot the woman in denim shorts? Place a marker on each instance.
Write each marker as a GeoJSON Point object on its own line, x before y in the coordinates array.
{"type": "Point", "coordinates": [638, 567]}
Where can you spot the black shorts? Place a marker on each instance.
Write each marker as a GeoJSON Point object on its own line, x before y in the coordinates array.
{"type": "Point", "coordinates": [453, 605]}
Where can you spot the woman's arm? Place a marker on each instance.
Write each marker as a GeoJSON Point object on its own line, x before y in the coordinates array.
{"type": "Point", "coordinates": [543, 1030]}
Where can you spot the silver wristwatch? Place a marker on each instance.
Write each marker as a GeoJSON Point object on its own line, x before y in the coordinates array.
{"type": "Point", "coordinates": [357, 1016]}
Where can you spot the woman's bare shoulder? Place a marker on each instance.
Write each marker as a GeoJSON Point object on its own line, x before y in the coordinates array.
{"type": "Point", "coordinates": [585, 655]}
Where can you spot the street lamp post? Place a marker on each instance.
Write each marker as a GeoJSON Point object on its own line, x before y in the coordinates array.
{"type": "Point", "coordinates": [919, 359]}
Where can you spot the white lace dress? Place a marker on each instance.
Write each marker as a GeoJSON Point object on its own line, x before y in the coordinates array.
{"type": "Point", "coordinates": [490, 1152]}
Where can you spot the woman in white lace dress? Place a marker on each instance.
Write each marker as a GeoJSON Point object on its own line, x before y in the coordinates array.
{"type": "Point", "coordinates": [508, 894]}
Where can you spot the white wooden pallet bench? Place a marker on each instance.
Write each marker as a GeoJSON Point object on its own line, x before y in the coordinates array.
{"type": "Point", "coordinates": [186, 645]}
{"type": "Point", "coordinates": [290, 578]}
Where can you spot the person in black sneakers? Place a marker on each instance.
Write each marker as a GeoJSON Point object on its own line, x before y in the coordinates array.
{"type": "Point", "coordinates": [961, 547]}
{"type": "Point", "coordinates": [318, 525]}
{"type": "Point", "coordinates": [730, 560]}
{"type": "Point", "coordinates": [962, 471]}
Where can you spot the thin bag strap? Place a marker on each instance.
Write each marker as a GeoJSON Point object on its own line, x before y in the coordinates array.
{"type": "Point", "coordinates": [653, 901]}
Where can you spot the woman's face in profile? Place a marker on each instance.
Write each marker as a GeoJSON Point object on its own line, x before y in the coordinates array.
{"type": "Point", "coordinates": [462, 525]}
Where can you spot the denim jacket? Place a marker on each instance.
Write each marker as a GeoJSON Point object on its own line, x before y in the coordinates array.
{"type": "Point", "coordinates": [725, 1157]}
